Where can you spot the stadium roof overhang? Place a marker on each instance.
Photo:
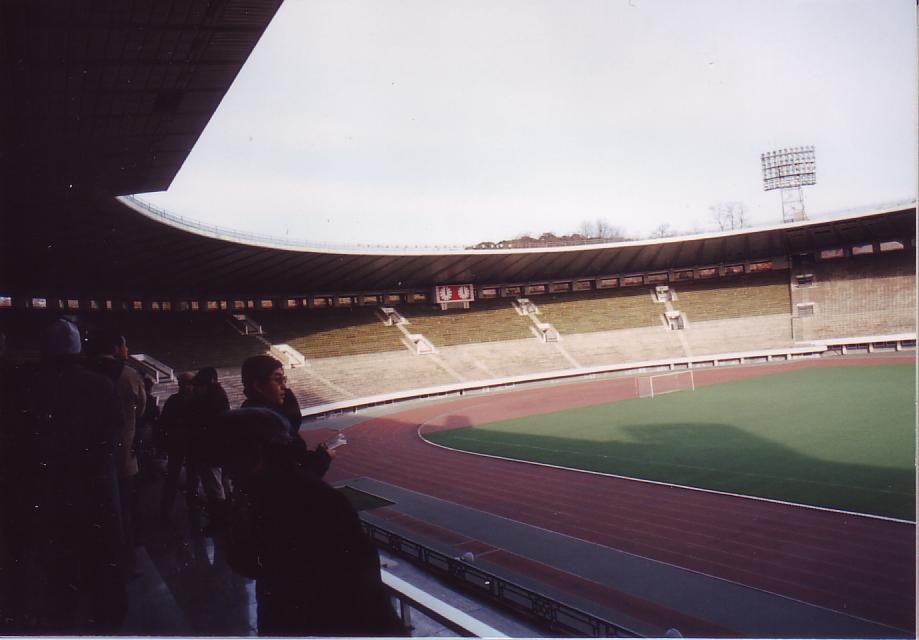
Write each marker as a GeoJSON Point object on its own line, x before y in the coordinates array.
{"type": "Point", "coordinates": [114, 249]}
{"type": "Point", "coordinates": [110, 97]}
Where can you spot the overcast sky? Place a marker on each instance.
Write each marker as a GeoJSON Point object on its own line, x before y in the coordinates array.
{"type": "Point", "coordinates": [441, 122]}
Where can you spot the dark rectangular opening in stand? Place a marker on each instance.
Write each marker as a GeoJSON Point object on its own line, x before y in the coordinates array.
{"type": "Point", "coordinates": [805, 310]}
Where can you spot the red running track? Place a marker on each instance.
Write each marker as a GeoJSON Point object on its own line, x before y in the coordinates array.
{"type": "Point", "coordinates": [861, 566]}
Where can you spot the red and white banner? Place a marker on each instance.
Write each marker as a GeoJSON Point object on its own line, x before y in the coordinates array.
{"type": "Point", "coordinates": [454, 293]}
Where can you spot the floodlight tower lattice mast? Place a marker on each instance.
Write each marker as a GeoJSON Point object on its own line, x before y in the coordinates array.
{"type": "Point", "coordinates": [790, 170]}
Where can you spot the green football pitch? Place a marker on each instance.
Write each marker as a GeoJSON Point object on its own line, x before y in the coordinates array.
{"type": "Point", "coordinates": [839, 437]}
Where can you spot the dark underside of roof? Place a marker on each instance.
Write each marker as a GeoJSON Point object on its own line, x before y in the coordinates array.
{"type": "Point", "coordinates": [106, 97]}
{"type": "Point", "coordinates": [113, 94]}
{"type": "Point", "coordinates": [103, 247]}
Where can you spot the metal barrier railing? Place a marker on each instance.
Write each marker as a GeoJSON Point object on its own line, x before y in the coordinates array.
{"type": "Point", "coordinates": [412, 598]}
{"type": "Point", "coordinates": [558, 617]}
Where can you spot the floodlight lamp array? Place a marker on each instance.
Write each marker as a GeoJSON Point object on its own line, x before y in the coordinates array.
{"type": "Point", "coordinates": [789, 168]}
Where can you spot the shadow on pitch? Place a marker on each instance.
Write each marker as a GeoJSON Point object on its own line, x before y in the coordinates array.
{"type": "Point", "coordinates": [709, 456]}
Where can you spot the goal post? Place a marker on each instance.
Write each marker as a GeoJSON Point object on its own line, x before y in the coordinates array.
{"type": "Point", "coordinates": [659, 384]}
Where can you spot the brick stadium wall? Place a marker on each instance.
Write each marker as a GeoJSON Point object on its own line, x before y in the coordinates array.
{"type": "Point", "coordinates": [861, 296]}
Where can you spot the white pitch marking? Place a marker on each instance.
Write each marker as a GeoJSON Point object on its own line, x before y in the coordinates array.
{"type": "Point", "coordinates": [657, 482]}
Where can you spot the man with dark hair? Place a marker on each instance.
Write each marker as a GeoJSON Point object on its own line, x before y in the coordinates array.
{"type": "Point", "coordinates": [61, 512]}
{"type": "Point", "coordinates": [316, 572]}
{"type": "Point", "coordinates": [265, 385]}
{"type": "Point", "coordinates": [110, 351]}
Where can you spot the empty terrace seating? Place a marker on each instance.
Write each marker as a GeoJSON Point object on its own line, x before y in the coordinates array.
{"type": "Point", "coordinates": [502, 359]}
{"type": "Point", "coordinates": [181, 340]}
{"type": "Point", "coordinates": [332, 379]}
{"type": "Point", "coordinates": [738, 334]}
{"type": "Point", "coordinates": [484, 321]}
{"type": "Point", "coordinates": [624, 345]}
{"type": "Point", "coordinates": [605, 310]}
{"type": "Point", "coordinates": [738, 297]}
{"type": "Point", "coordinates": [329, 333]}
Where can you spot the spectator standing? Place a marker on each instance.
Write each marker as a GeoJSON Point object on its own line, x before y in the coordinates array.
{"type": "Point", "coordinates": [208, 404]}
{"type": "Point", "coordinates": [316, 572]}
{"type": "Point", "coordinates": [61, 509]}
{"type": "Point", "coordinates": [174, 428]}
{"type": "Point", "coordinates": [110, 350]}
{"type": "Point", "coordinates": [143, 438]}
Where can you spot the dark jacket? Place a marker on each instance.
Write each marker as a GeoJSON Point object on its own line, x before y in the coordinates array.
{"type": "Point", "coordinates": [316, 461]}
{"type": "Point", "coordinates": [175, 421]}
{"type": "Point", "coordinates": [291, 411]}
{"type": "Point", "coordinates": [66, 514]}
{"type": "Point", "coordinates": [205, 410]}
{"type": "Point", "coordinates": [316, 572]}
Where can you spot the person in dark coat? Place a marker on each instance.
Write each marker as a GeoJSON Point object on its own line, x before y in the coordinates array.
{"type": "Point", "coordinates": [208, 404]}
{"type": "Point", "coordinates": [265, 385]}
{"type": "Point", "coordinates": [143, 435]}
{"type": "Point", "coordinates": [174, 425]}
{"type": "Point", "coordinates": [316, 572]}
{"type": "Point", "coordinates": [109, 350]}
{"type": "Point", "coordinates": [64, 518]}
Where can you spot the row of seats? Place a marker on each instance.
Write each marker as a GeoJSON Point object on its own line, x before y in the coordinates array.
{"type": "Point", "coordinates": [860, 296]}
{"type": "Point", "coordinates": [342, 378]}
{"type": "Point", "coordinates": [325, 333]}
{"type": "Point", "coordinates": [484, 321]}
{"type": "Point", "coordinates": [752, 295]}
{"type": "Point", "coordinates": [587, 311]}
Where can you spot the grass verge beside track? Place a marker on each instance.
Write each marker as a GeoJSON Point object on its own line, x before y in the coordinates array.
{"type": "Point", "coordinates": [837, 437]}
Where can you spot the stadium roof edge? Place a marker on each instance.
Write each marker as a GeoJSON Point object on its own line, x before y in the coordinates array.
{"type": "Point", "coordinates": [102, 247]}
{"type": "Point", "coordinates": [269, 242]}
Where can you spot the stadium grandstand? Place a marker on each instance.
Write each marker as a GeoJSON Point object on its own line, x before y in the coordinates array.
{"type": "Point", "coordinates": [375, 340]}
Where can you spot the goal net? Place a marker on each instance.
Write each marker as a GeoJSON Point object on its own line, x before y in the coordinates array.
{"type": "Point", "coordinates": [650, 386]}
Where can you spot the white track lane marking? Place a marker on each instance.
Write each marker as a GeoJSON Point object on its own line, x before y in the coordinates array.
{"type": "Point", "coordinates": [655, 482]}
{"type": "Point", "coordinates": [676, 465]}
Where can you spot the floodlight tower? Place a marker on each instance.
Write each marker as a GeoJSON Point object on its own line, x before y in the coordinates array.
{"type": "Point", "coordinates": [789, 170]}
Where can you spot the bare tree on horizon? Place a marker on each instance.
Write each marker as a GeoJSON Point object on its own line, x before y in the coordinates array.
{"type": "Point", "coordinates": [729, 216]}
